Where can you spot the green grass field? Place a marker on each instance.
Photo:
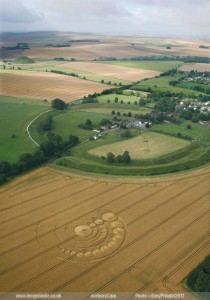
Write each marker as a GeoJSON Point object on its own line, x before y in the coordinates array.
{"type": "Point", "coordinates": [190, 85]}
{"type": "Point", "coordinates": [198, 132]}
{"type": "Point", "coordinates": [67, 123]}
{"type": "Point", "coordinates": [162, 84]}
{"type": "Point", "coordinates": [15, 114]}
{"type": "Point", "coordinates": [161, 66]}
{"type": "Point", "coordinates": [145, 146]}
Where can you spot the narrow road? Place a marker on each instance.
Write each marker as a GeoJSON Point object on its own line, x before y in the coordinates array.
{"type": "Point", "coordinates": [27, 129]}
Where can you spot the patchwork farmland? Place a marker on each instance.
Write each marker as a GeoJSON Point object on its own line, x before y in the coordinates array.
{"type": "Point", "coordinates": [71, 219]}
{"type": "Point", "coordinates": [61, 230]}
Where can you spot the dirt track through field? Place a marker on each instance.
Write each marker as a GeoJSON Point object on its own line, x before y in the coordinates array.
{"type": "Point", "coordinates": [66, 232]}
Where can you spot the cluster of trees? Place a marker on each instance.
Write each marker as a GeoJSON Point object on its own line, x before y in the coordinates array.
{"type": "Point", "coordinates": [198, 59]}
{"type": "Point", "coordinates": [109, 82]}
{"type": "Point", "coordinates": [169, 72]}
{"type": "Point", "coordinates": [165, 105]}
{"type": "Point", "coordinates": [88, 125]}
{"type": "Point", "coordinates": [104, 122]}
{"type": "Point", "coordinates": [114, 113]}
{"type": "Point", "coordinates": [58, 104]}
{"type": "Point", "coordinates": [121, 158]}
{"type": "Point", "coordinates": [199, 279]}
{"type": "Point", "coordinates": [90, 99]}
{"type": "Point", "coordinates": [54, 146]}
{"type": "Point", "coordinates": [193, 115]}
{"type": "Point", "coordinates": [64, 73]}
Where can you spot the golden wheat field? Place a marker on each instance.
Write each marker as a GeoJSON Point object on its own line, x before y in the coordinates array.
{"type": "Point", "coordinates": [48, 86]}
{"type": "Point", "coordinates": [68, 232]}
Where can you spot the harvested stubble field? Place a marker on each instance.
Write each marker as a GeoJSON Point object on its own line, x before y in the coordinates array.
{"type": "Point", "coordinates": [119, 72]}
{"type": "Point", "coordinates": [66, 232]}
{"type": "Point", "coordinates": [196, 67]}
{"type": "Point", "coordinates": [145, 146]}
{"type": "Point", "coordinates": [40, 85]}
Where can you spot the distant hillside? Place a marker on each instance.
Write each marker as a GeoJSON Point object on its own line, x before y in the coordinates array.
{"type": "Point", "coordinates": [23, 60]}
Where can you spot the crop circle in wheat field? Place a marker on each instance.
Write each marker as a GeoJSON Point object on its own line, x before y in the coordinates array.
{"type": "Point", "coordinates": [83, 239]}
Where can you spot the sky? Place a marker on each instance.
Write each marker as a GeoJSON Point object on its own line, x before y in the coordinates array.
{"type": "Point", "coordinates": [143, 17]}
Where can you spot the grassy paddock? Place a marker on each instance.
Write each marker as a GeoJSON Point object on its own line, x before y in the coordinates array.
{"type": "Point", "coordinates": [162, 84]}
{"type": "Point", "coordinates": [15, 114]}
{"type": "Point", "coordinates": [198, 132]}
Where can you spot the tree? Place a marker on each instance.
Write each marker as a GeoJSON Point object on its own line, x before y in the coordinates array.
{"type": "Point", "coordinates": [121, 101]}
{"type": "Point", "coordinates": [119, 158]}
{"type": "Point", "coordinates": [115, 99]}
{"type": "Point", "coordinates": [189, 127]}
{"type": "Point", "coordinates": [113, 112]}
{"type": "Point", "coordinates": [5, 168]}
{"type": "Point", "coordinates": [104, 122]}
{"type": "Point", "coordinates": [110, 157]}
{"type": "Point", "coordinates": [142, 102]}
{"type": "Point", "coordinates": [129, 114]}
{"type": "Point", "coordinates": [27, 160]}
{"type": "Point", "coordinates": [58, 104]}
{"type": "Point", "coordinates": [126, 157]}
{"type": "Point", "coordinates": [73, 140]}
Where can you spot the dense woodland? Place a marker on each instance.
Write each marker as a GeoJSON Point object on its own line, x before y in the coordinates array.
{"type": "Point", "coordinates": [199, 279]}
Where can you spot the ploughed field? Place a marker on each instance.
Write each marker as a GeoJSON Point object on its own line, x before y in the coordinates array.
{"type": "Point", "coordinates": [67, 232]}
{"type": "Point", "coordinates": [48, 86]}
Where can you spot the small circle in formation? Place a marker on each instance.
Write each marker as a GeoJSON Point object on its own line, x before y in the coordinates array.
{"type": "Point", "coordinates": [109, 217]}
{"type": "Point", "coordinates": [99, 222]}
{"type": "Point", "coordinates": [82, 230]}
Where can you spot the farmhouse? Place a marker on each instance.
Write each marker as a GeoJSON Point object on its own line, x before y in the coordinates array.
{"type": "Point", "coordinates": [136, 124]}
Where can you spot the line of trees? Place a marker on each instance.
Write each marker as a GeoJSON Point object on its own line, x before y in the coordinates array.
{"type": "Point", "coordinates": [54, 146]}
{"type": "Point", "coordinates": [199, 279]}
{"type": "Point", "coordinates": [121, 158]}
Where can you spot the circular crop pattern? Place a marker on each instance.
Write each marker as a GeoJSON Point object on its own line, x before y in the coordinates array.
{"type": "Point", "coordinates": [84, 241]}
